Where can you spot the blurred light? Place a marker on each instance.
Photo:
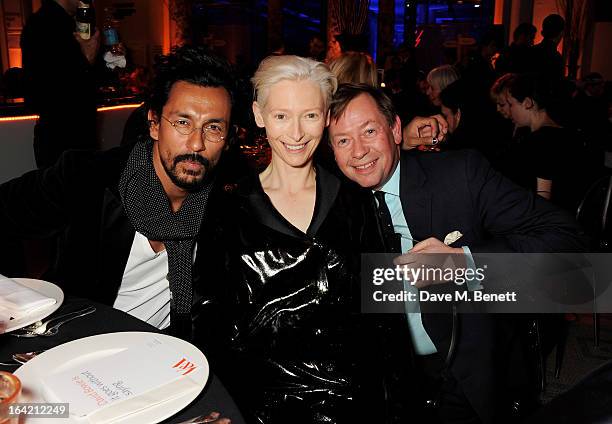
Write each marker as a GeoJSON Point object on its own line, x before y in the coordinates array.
{"type": "Point", "coordinates": [18, 118]}
{"type": "Point", "coordinates": [100, 109]}
{"type": "Point", "coordinates": [128, 106]}
{"type": "Point", "coordinates": [476, 5]}
{"type": "Point", "coordinates": [14, 57]}
{"type": "Point", "coordinates": [382, 85]}
{"type": "Point", "coordinates": [499, 12]}
{"type": "Point", "coordinates": [166, 28]}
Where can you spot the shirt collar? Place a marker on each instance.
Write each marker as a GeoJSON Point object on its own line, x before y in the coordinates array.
{"type": "Point", "coordinates": [392, 184]}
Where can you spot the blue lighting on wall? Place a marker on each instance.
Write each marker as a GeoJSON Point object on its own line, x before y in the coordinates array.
{"type": "Point", "coordinates": [373, 27]}
{"type": "Point", "coordinates": [398, 26]}
{"type": "Point", "coordinates": [445, 12]}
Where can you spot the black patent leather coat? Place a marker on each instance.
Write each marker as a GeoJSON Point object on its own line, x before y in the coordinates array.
{"type": "Point", "coordinates": [279, 309]}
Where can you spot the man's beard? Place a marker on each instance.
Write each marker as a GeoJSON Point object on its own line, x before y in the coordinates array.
{"type": "Point", "coordinates": [192, 184]}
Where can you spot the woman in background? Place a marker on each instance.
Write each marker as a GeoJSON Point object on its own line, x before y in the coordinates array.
{"type": "Point", "coordinates": [510, 138]}
{"type": "Point", "coordinates": [464, 118]}
{"type": "Point", "coordinates": [462, 124]}
{"type": "Point", "coordinates": [499, 94]}
{"type": "Point", "coordinates": [556, 164]}
{"type": "Point", "coordinates": [438, 79]}
{"type": "Point", "coordinates": [355, 67]}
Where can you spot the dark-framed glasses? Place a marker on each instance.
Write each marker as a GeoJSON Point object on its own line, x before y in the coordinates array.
{"type": "Point", "coordinates": [212, 131]}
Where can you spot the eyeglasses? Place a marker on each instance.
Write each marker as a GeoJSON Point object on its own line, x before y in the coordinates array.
{"type": "Point", "coordinates": [213, 131]}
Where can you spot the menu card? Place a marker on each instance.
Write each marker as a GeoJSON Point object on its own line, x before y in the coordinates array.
{"type": "Point", "coordinates": [123, 383]}
{"type": "Point", "coordinates": [17, 300]}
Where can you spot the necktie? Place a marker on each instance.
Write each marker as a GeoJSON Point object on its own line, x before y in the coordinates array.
{"type": "Point", "coordinates": [392, 240]}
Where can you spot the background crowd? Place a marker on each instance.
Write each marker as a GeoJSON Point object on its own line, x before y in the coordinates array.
{"type": "Point", "coordinates": [511, 103]}
{"type": "Point", "coordinates": [276, 265]}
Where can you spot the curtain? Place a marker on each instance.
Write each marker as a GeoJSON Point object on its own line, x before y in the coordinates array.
{"type": "Point", "coordinates": [350, 16]}
{"type": "Point", "coordinates": [576, 13]}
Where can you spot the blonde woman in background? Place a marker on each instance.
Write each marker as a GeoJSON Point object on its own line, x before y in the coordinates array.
{"type": "Point", "coordinates": [356, 68]}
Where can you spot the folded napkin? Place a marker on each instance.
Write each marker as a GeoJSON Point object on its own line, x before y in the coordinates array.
{"type": "Point", "coordinates": [106, 389]}
{"type": "Point", "coordinates": [114, 61]}
{"type": "Point", "coordinates": [452, 237]}
{"type": "Point", "coordinates": [17, 300]}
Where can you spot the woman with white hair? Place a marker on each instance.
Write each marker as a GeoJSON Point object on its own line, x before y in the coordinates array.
{"type": "Point", "coordinates": [282, 327]}
{"type": "Point", "coordinates": [438, 79]}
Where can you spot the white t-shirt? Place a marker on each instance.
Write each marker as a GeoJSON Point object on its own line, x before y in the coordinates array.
{"type": "Point", "coordinates": [145, 291]}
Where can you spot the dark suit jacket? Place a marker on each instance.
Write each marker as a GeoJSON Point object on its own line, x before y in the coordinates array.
{"type": "Point", "coordinates": [458, 190]}
{"type": "Point", "coordinates": [76, 200]}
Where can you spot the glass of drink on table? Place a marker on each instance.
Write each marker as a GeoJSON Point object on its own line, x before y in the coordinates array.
{"type": "Point", "coordinates": [10, 389]}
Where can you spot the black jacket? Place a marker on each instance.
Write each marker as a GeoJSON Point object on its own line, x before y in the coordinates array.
{"type": "Point", "coordinates": [77, 201]}
{"type": "Point", "coordinates": [283, 328]}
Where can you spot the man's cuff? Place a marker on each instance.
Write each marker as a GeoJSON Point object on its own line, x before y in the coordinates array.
{"type": "Point", "coordinates": [472, 283]}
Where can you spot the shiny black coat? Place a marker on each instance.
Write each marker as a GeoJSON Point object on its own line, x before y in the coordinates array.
{"type": "Point", "coordinates": [280, 315]}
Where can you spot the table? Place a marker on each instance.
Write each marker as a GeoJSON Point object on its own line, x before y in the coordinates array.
{"type": "Point", "coordinates": [106, 319]}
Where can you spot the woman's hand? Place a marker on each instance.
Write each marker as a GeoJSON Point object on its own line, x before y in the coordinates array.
{"type": "Point", "coordinates": [424, 131]}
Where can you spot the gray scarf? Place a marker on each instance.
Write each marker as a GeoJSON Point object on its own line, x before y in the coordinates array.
{"type": "Point", "coordinates": [149, 211]}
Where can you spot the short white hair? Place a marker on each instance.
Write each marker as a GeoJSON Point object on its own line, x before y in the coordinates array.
{"type": "Point", "coordinates": [442, 76]}
{"type": "Point", "coordinates": [274, 69]}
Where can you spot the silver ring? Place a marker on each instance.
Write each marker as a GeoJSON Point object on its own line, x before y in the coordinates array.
{"type": "Point", "coordinates": [434, 141]}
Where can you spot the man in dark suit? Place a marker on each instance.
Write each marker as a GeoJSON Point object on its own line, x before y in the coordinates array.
{"type": "Point", "coordinates": [462, 359]}
{"type": "Point", "coordinates": [129, 218]}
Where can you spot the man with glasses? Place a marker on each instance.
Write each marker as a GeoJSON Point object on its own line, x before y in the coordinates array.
{"type": "Point", "coordinates": [130, 219]}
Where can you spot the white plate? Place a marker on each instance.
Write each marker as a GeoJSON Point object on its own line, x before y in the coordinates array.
{"type": "Point", "coordinates": [73, 353]}
{"type": "Point", "coordinates": [45, 288]}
